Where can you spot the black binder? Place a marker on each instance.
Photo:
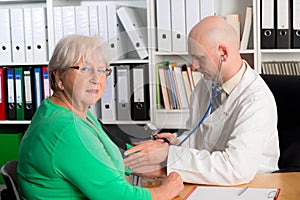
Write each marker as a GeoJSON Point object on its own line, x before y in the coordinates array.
{"type": "Point", "coordinates": [11, 94]}
{"type": "Point", "coordinates": [283, 27]}
{"type": "Point", "coordinates": [29, 93]}
{"type": "Point", "coordinates": [140, 101]}
{"type": "Point", "coordinates": [295, 22]}
{"type": "Point", "coordinates": [268, 19]}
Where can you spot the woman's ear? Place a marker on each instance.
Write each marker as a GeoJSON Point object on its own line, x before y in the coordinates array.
{"type": "Point", "coordinates": [58, 81]}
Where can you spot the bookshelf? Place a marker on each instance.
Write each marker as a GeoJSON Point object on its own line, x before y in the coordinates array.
{"type": "Point", "coordinates": [146, 10]}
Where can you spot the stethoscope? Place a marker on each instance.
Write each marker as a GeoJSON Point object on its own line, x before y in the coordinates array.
{"type": "Point", "coordinates": [212, 99]}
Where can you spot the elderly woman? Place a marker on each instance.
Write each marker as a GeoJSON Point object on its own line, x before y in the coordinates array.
{"type": "Point", "coordinates": [65, 154]}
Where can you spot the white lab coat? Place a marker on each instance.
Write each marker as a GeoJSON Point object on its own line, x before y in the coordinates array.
{"type": "Point", "coordinates": [235, 142]}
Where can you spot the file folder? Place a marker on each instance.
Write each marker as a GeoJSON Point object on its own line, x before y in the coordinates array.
{"type": "Point", "coordinates": [17, 35]}
{"type": "Point", "coordinates": [135, 29]}
{"type": "Point", "coordinates": [2, 94]}
{"type": "Point", "coordinates": [181, 87]}
{"type": "Point", "coordinates": [5, 39]}
{"type": "Point", "coordinates": [283, 25]}
{"type": "Point", "coordinates": [178, 20]}
{"type": "Point", "coordinates": [296, 24]}
{"type": "Point", "coordinates": [192, 14]}
{"type": "Point", "coordinates": [28, 35]}
{"type": "Point", "coordinates": [123, 92]}
{"type": "Point", "coordinates": [108, 102]}
{"type": "Point", "coordinates": [38, 87]}
{"type": "Point", "coordinates": [268, 39]}
{"type": "Point", "coordinates": [140, 102]}
{"type": "Point", "coordinates": [28, 90]}
{"type": "Point", "coordinates": [19, 81]}
{"type": "Point", "coordinates": [58, 24]}
{"type": "Point", "coordinates": [11, 100]}
{"type": "Point", "coordinates": [82, 20]}
{"type": "Point", "coordinates": [163, 19]}
{"type": "Point", "coordinates": [39, 34]}
{"type": "Point", "coordinates": [93, 20]}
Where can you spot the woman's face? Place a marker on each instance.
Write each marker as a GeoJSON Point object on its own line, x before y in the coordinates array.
{"type": "Point", "coordinates": [86, 85]}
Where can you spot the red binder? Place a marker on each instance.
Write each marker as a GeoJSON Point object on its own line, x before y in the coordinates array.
{"type": "Point", "coordinates": [2, 94]}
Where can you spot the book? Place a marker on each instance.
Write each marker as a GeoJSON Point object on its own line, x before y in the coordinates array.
{"type": "Point", "coordinates": [246, 28]}
{"type": "Point", "coordinates": [232, 193]}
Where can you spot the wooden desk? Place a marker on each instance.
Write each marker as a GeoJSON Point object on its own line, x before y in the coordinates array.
{"type": "Point", "coordinates": [289, 184]}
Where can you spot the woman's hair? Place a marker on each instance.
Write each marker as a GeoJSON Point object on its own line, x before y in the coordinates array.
{"type": "Point", "coordinates": [72, 49]}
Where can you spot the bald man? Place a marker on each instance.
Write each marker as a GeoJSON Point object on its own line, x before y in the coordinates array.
{"type": "Point", "coordinates": [238, 139]}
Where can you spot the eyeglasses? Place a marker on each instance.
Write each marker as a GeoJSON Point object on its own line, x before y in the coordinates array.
{"type": "Point", "coordinates": [91, 70]}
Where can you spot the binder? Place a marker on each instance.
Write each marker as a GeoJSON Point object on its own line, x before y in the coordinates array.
{"type": "Point", "coordinates": [178, 20]}
{"type": "Point", "coordinates": [123, 92]}
{"type": "Point", "coordinates": [283, 32]}
{"type": "Point", "coordinates": [19, 80]}
{"type": "Point", "coordinates": [28, 34]}
{"type": "Point", "coordinates": [58, 24]}
{"type": "Point", "coordinates": [268, 39]}
{"type": "Point", "coordinates": [108, 103]}
{"type": "Point", "coordinates": [102, 22]}
{"type": "Point", "coordinates": [192, 14]}
{"type": "Point", "coordinates": [39, 34]}
{"type": "Point", "coordinates": [37, 87]}
{"type": "Point", "coordinates": [17, 35]}
{"type": "Point", "coordinates": [28, 90]}
{"type": "Point", "coordinates": [69, 25]}
{"type": "Point", "coordinates": [235, 21]}
{"type": "Point", "coordinates": [93, 20]}
{"type": "Point", "coordinates": [140, 102]}
{"type": "Point", "coordinates": [207, 8]}
{"type": "Point", "coordinates": [46, 83]}
{"type": "Point", "coordinates": [5, 39]}
{"type": "Point", "coordinates": [2, 94]}
{"type": "Point", "coordinates": [82, 20]}
{"type": "Point", "coordinates": [11, 100]}
{"type": "Point", "coordinates": [163, 19]}
{"type": "Point", "coordinates": [116, 37]}
{"type": "Point", "coordinates": [135, 30]}
{"type": "Point", "coordinates": [296, 24]}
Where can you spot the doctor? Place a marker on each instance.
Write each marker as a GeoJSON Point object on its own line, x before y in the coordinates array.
{"type": "Point", "coordinates": [238, 139]}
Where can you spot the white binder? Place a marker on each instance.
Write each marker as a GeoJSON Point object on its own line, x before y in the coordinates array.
{"type": "Point", "coordinates": [5, 39]}
{"type": "Point", "coordinates": [82, 20]}
{"type": "Point", "coordinates": [102, 22]}
{"type": "Point", "coordinates": [192, 13]}
{"type": "Point", "coordinates": [123, 92]}
{"type": "Point", "coordinates": [28, 35]}
{"type": "Point", "coordinates": [17, 35]}
{"type": "Point", "coordinates": [207, 8]}
{"type": "Point", "coordinates": [115, 35]}
{"type": "Point", "coordinates": [93, 20]}
{"type": "Point", "coordinates": [135, 30]}
{"type": "Point", "coordinates": [58, 24]}
{"type": "Point", "coordinates": [40, 49]}
{"type": "Point", "coordinates": [178, 25]}
{"type": "Point", "coordinates": [69, 25]}
{"type": "Point", "coordinates": [163, 18]}
{"type": "Point", "coordinates": [108, 103]}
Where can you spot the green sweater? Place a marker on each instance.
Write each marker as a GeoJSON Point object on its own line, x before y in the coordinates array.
{"type": "Point", "coordinates": [64, 157]}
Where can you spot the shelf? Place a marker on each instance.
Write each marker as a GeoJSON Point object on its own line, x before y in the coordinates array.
{"type": "Point", "coordinates": [15, 121]}
{"type": "Point", "coordinates": [279, 51]}
{"type": "Point", "coordinates": [174, 119]}
{"type": "Point", "coordinates": [126, 122]}
{"type": "Point", "coordinates": [130, 61]}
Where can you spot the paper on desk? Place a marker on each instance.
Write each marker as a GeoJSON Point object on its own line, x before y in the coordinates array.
{"type": "Point", "coordinates": [217, 193]}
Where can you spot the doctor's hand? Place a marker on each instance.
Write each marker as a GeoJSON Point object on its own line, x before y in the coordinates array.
{"type": "Point", "coordinates": [169, 136]}
{"type": "Point", "coordinates": [146, 153]}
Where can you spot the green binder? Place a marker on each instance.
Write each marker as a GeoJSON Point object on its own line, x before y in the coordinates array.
{"type": "Point", "coordinates": [19, 84]}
